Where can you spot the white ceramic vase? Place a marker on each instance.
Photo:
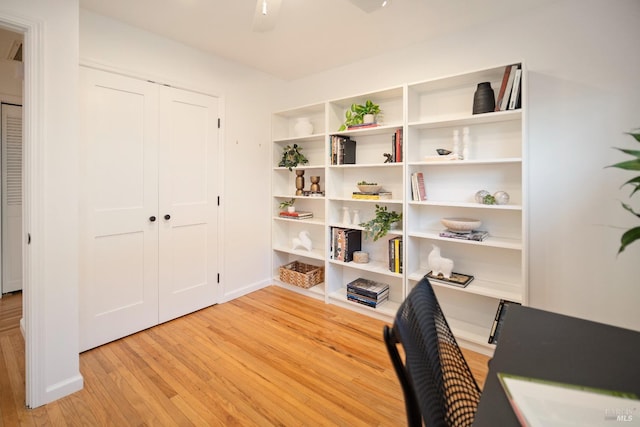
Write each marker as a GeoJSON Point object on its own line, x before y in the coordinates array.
{"type": "Point", "coordinates": [303, 126]}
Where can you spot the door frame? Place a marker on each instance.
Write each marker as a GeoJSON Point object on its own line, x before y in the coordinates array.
{"type": "Point", "coordinates": [32, 322]}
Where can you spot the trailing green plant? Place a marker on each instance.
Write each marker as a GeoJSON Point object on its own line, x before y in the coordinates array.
{"type": "Point", "coordinates": [355, 114]}
{"type": "Point", "coordinates": [292, 157]}
{"type": "Point", "coordinates": [380, 225]}
{"type": "Point", "coordinates": [286, 203]}
{"type": "Point", "coordinates": [632, 234]}
{"type": "Point", "coordinates": [367, 183]}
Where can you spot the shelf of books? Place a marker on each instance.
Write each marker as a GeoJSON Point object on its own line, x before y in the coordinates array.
{"type": "Point", "coordinates": [429, 157]}
{"type": "Point", "coordinates": [385, 310]}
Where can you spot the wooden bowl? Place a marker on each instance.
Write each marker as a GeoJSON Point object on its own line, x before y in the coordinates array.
{"type": "Point", "coordinates": [461, 225]}
{"type": "Point", "coordinates": [369, 188]}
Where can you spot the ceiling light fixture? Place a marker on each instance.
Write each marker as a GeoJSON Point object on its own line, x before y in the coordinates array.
{"type": "Point", "coordinates": [385, 2]}
{"type": "Point", "coordinates": [264, 7]}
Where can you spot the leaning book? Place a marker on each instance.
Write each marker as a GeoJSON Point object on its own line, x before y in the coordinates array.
{"type": "Point", "coordinates": [456, 279]}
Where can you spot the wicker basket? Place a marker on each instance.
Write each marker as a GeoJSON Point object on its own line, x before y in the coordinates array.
{"type": "Point", "coordinates": [301, 275]}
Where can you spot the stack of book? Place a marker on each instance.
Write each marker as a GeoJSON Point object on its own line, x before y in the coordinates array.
{"type": "Point", "coordinates": [455, 279]}
{"type": "Point", "coordinates": [344, 242]}
{"type": "Point", "coordinates": [418, 191]}
{"type": "Point", "coordinates": [296, 215]}
{"type": "Point", "coordinates": [509, 93]}
{"type": "Point", "coordinates": [363, 126]}
{"type": "Point", "coordinates": [395, 254]}
{"type": "Point", "coordinates": [343, 150]}
{"type": "Point", "coordinates": [380, 195]}
{"type": "Point", "coordinates": [396, 146]}
{"type": "Point", "coordinates": [477, 235]}
{"type": "Point", "coordinates": [367, 292]}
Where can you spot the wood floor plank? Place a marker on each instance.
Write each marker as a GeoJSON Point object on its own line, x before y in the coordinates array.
{"type": "Point", "coordinates": [272, 357]}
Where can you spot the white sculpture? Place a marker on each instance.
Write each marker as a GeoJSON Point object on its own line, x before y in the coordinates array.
{"type": "Point", "coordinates": [303, 241]}
{"type": "Point", "coordinates": [438, 264]}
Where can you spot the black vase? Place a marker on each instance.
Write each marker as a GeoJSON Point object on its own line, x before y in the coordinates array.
{"type": "Point", "coordinates": [484, 100]}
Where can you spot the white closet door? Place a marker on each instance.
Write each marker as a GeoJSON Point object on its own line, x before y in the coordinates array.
{"type": "Point", "coordinates": [119, 277]}
{"type": "Point", "coordinates": [11, 198]}
{"type": "Point", "coordinates": [188, 202]}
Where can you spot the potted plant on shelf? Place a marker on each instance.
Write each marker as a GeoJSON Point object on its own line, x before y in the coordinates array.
{"type": "Point", "coordinates": [380, 225]}
{"type": "Point", "coordinates": [359, 114]}
{"type": "Point", "coordinates": [288, 205]}
{"type": "Point", "coordinates": [632, 234]}
{"type": "Point", "coordinates": [292, 157]}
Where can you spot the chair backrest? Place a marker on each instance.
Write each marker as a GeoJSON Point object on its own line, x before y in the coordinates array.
{"type": "Point", "coordinates": [436, 380]}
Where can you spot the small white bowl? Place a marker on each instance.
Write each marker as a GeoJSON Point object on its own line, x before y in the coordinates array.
{"type": "Point", "coordinates": [369, 188]}
{"type": "Point", "coordinates": [461, 225]}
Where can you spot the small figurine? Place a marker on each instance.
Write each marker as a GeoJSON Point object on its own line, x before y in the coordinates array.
{"type": "Point", "coordinates": [438, 264]}
{"type": "Point", "coordinates": [303, 241]}
{"type": "Point", "coordinates": [387, 157]}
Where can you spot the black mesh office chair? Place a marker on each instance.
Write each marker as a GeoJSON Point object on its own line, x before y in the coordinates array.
{"type": "Point", "coordinates": [436, 381]}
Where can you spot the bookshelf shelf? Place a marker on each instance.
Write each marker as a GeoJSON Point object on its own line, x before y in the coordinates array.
{"type": "Point", "coordinates": [373, 266]}
{"type": "Point", "coordinates": [427, 115]}
{"type": "Point", "coordinates": [491, 241]}
{"type": "Point", "coordinates": [315, 254]}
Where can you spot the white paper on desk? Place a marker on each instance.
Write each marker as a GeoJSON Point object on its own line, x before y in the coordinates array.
{"type": "Point", "coordinates": [539, 403]}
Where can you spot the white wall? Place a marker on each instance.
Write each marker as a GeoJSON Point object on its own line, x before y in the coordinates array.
{"type": "Point", "coordinates": [52, 352]}
{"type": "Point", "coordinates": [246, 132]}
{"type": "Point", "coordinates": [584, 92]}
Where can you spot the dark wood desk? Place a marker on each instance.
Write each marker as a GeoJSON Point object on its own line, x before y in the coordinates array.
{"type": "Point", "coordinates": [549, 346]}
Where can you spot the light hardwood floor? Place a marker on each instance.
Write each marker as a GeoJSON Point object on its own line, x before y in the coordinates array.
{"type": "Point", "coordinates": [272, 357]}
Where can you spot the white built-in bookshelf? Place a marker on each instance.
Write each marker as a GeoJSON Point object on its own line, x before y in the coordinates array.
{"type": "Point", "coordinates": [428, 113]}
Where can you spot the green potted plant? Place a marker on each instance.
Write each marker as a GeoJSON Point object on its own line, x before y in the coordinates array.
{"type": "Point", "coordinates": [632, 234]}
{"type": "Point", "coordinates": [292, 157]}
{"type": "Point", "coordinates": [359, 114]}
{"type": "Point", "coordinates": [380, 225]}
{"type": "Point", "coordinates": [288, 205]}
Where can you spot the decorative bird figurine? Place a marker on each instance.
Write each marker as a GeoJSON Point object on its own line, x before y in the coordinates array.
{"type": "Point", "coordinates": [303, 241]}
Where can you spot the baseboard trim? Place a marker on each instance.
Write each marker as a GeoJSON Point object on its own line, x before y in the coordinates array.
{"type": "Point", "coordinates": [244, 291]}
{"type": "Point", "coordinates": [64, 388]}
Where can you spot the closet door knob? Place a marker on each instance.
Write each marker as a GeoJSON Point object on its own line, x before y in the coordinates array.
{"type": "Point", "coordinates": [152, 218]}
{"type": "Point", "coordinates": [167, 217]}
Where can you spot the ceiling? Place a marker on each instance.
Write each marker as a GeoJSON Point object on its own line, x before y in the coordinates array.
{"type": "Point", "coordinates": [310, 36]}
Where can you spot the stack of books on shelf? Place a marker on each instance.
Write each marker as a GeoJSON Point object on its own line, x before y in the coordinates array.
{"type": "Point", "coordinates": [344, 242]}
{"type": "Point", "coordinates": [418, 191]}
{"type": "Point", "coordinates": [363, 126]}
{"type": "Point", "coordinates": [380, 195]}
{"type": "Point", "coordinates": [296, 215]}
{"type": "Point", "coordinates": [455, 279]}
{"type": "Point", "coordinates": [509, 93]}
{"type": "Point", "coordinates": [343, 150]}
{"type": "Point", "coordinates": [395, 254]}
{"type": "Point", "coordinates": [476, 235]}
{"type": "Point", "coordinates": [367, 292]}
{"type": "Point", "coordinates": [396, 146]}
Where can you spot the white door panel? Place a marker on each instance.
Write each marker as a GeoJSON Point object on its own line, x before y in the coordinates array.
{"type": "Point", "coordinates": [12, 236]}
{"type": "Point", "coordinates": [188, 193]}
{"type": "Point", "coordinates": [119, 293]}
{"type": "Point", "coordinates": [148, 151]}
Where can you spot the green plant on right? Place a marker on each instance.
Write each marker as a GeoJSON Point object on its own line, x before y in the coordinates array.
{"type": "Point", "coordinates": [355, 114]}
{"type": "Point", "coordinates": [632, 234]}
{"type": "Point", "coordinates": [380, 225]}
